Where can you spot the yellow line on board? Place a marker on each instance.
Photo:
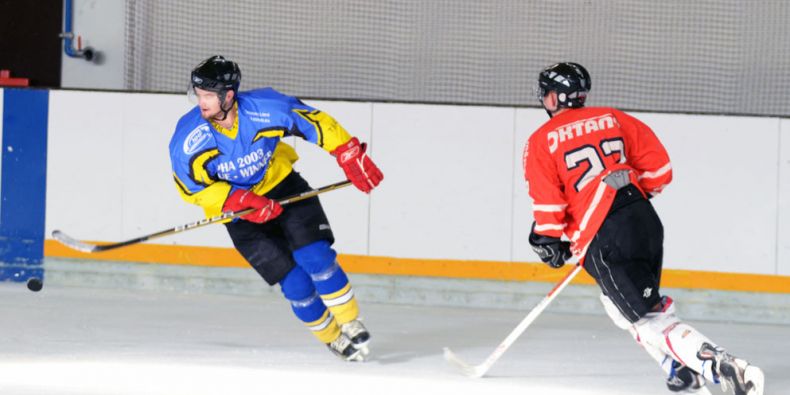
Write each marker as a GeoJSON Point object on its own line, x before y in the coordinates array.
{"type": "Point", "coordinates": [479, 270]}
{"type": "Point", "coordinates": [154, 253]}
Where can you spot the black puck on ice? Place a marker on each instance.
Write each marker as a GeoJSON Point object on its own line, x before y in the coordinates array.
{"type": "Point", "coordinates": [34, 284]}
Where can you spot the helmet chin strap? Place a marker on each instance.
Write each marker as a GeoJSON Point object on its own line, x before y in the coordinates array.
{"type": "Point", "coordinates": [225, 111]}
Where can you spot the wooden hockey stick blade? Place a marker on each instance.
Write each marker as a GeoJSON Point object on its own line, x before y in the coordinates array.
{"type": "Point", "coordinates": [465, 368]}
{"type": "Point", "coordinates": [83, 246]}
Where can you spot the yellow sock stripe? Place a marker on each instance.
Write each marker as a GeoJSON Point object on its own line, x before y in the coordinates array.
{"type": "Point", "coordinates": [342, 304]}
{"type": "Point", "coordinates": [476, 270]}
{"type": "Point", "coordinates": [320, 323]}
{"type": "Point", "coordinates": [346, 312]}
{"type": "Point", "coordinates": [324, 328]}
{"type": "Point", "coordinates": [338, 297]}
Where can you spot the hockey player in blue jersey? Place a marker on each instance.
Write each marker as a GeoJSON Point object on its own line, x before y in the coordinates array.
{"type": "Point", "coordinates": [227, 155]}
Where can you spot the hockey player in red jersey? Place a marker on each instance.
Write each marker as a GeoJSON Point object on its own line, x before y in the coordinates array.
{"type": "Point", "coordinates": [591, 172]}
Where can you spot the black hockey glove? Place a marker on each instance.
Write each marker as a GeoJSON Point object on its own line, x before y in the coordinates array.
{"type": "Point", "coordinates": [551, 250]}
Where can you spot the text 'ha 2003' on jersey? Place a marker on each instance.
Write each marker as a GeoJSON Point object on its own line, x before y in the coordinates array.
{"type": "Point", "coordinates": [210, 162]}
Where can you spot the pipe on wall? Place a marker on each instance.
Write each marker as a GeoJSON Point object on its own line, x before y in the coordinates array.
{"type": "Point", "coordinates": [67, 35]}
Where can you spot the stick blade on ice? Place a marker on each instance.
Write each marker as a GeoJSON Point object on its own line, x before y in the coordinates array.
{"type": "Point", "coordinates": [72, 243]}
{"type": "Point", "coordinates": [468, 370]}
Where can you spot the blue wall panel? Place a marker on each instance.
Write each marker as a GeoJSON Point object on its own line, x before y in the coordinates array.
{"type": "Point", "coordinates": [23, 188]}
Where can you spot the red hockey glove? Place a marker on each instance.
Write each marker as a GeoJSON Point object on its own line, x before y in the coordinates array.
{"type": "Point", "coordinates": [357, 165]}
{"type": "Point", "coordinates": [241, 199]}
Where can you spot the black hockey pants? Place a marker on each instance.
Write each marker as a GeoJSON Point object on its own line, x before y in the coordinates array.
{"type": "Point", "coordinates": [625, 255]}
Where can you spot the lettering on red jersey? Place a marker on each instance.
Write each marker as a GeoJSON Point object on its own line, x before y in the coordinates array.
{"type": "Point", "coordinates": [566, 159]}
{"type": "Point", "coordinates": [580, 128]}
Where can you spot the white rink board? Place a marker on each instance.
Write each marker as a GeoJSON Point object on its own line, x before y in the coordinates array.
{"type": "Point", "coordinates": [85, 164]}
{"type": "Point", "coordinates": [453, 181]}
{"type": "Point", "coordinates": [719, 213]}
{"type": "Point", "coordinates": [348, 208]}
{"type": "Point", "coordinates": [783, 229]}
{"type": "Point", "coordinates": [447, 188]}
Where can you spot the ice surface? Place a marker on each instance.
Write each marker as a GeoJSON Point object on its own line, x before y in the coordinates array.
{"type": "Point", "coordinates": [117, 341]}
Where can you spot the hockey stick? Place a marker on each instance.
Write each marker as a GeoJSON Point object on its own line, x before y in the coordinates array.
{"type": "Point", "coordinates": [480, 370]}
{"type": "Point", "coordinates": [88, 247]}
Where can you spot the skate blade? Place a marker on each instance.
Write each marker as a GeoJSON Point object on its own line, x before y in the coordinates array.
{"type": "Point", "coordinates": [700, 391]}
{"type": "Point", "coordinates": [361, 345]}
{"type": "Point", "coordinates": [362, 354]}
{"type": "Point", "coordinates": [754, 376]}
{"type": "Point", "coordinates": [357, 357]}
{"type": "Point", "coordinates": [364, 351]}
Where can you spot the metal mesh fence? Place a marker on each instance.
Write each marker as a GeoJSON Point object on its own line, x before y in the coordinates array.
{"type": "Point", "coordinates": [708, 56]}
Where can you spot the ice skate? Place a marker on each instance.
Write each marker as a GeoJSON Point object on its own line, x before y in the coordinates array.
{"type": "Point", "coordinates": [684, 380]}
{"type": "Point", "coordinates": [735, 373]}
{"type": "Point", "coordinates": [344, 348]}
{"type": "Point", "coordinates": [359, 335]}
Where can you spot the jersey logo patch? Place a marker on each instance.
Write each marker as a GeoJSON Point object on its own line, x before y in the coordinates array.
{"type": "Point", "coordinates": [196, 139]}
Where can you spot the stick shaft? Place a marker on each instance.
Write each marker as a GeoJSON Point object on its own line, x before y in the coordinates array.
{"type": "Point", "coordinates": [86, 247]}
{"type": "Point", "coordinates": [481, 369]}
{"type": "Point", "coordinates": [530, 318]}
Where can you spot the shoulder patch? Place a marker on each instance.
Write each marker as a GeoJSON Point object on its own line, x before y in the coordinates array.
{"type": "Point", "coordinates": [196, 139]}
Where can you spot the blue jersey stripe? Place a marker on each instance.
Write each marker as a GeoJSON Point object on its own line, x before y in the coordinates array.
{"type": "Point", "coordinates": [23, 183]}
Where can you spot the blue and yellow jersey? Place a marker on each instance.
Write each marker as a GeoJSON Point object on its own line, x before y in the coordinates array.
{"type": "Point", "coordinates": [209, 162]}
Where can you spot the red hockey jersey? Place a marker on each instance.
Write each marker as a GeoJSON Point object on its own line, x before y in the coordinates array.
{"type": "Point", "coordinates": [565, 162]}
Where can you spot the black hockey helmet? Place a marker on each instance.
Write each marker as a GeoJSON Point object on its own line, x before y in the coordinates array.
{"type": "Point", "coordinates": [570, 80]}
{"type": "Point", "coordinates": [217, 74]}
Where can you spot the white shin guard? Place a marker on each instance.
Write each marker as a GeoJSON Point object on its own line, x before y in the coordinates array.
{"type": "Point", "coordinates": [663, 360]}
{"type": "Point", "coordinates": [663, 330]}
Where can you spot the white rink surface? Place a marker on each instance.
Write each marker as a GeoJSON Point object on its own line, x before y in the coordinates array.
{"type": "Point", "coordinates": [118, 341]}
